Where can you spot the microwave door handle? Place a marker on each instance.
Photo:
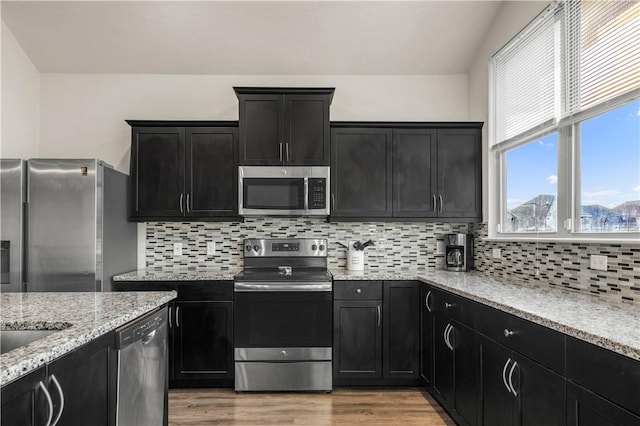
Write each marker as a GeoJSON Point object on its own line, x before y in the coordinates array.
{"type": "Point", "coordinates": [306, 194]}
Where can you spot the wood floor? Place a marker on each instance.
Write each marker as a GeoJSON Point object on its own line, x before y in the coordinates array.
{"type": "Point", "coordinates": [341, 407]}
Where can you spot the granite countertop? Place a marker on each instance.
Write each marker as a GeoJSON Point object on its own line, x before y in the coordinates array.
{"type": "Point", "coordinates": [378, 274]}
{"type": "Point", "coordinates": [80, 317]}
{"type": "Point", "coordinates": [180, 274]}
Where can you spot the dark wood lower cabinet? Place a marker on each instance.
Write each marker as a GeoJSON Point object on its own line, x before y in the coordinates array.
{"type": "Point", "coordinates": [202, 344]}
{"type": "Point", "coordinates": [455, 374]}
{"type": "Point", "coordinates": [357, 339]}
{"type": "Point", "coordinates": [426, 336]}
{"type": "Point", "coordinates": [24, 402]}
{"type": "Point", "coordinates": [585, 408]}
{"type": "Point", "coordinates": [401, 332]}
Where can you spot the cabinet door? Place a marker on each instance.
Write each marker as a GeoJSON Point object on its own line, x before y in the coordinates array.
{"type": "Point", "coordinates": [442, 362]}
{"type": "Point", "coordinates": [307, 130]}
{"type": "Point", "coordinates": [585, 408]}
{"type": "Point", "coordinates": [211, 172]}
{"type": "Point", "coordinates": [426, 335]}
{"type": "Point", "coordinates": [541, 394]}
{"type": "Point", "coordinates": [84, 378]}
{"type": "Point", "coordinates": [262, 135]}
{"type": "Point", "coordinates": [401, 337]}
{"type": "Point", "coordinates": [203, 344]}
{"type": "Point", "coordinates": [361, 172]}
{"type": "Point", "coordinates": [460, 173]}
{"type": "Point", "coordinates": [497, 402]}
{"type": "Point", "coordinates": [157, 172]}
{"type": "Point", "coordinates": [24, 402]}
{"type": "Point", "coordinates": [414, 173]}
{"type": "Point", "coordinates": [357, 339]}
{"type": "Point", "coordinates": [465, 374]}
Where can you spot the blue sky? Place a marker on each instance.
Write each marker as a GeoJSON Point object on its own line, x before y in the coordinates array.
{"type": "Point", "coordinates": [610, 162]}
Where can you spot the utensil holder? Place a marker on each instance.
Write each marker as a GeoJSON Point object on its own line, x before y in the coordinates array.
{"type": "Point", "coordinates": [355, 260]}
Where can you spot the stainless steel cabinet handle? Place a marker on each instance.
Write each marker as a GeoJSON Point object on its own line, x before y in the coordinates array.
{"type": "Point", "coordinates": [447, 335]}
{"type": "Point", "coordinates": [44, 390]}
{"type": "Point", "coordinates": [170, 317]}
{"type": "Point", "coordinates": [280, 151]}
{"type": "Point", "coordinates": [306, 193]}
{"type": "Point", "coordinates": [181, 208]}
{"type": "Point", "coordinates": [187, 204]}
{"type": "Point", "coordinates": [440, 197]}
{"type": "Point", "coordinates": [507, 332]}
{"type": "Point", "coordinates": [287, 147]}
{"type": "Point", "coordinates": [379, 314]}
{"type": "Point", "coordinates": [504, 375]}
{"type": "Point", "coordinates": [333, 202]}
{"type": "Point", "coordinates": [426, 301]}
{"type": "Point", "coordinates": [435, 203]}
{"type": "Point", "coordinates": [511, 378]}
{"type": "Point", "coordinates": [177, 316]}
{"type": "Point", "coordinates": [55, 382]}
{"type": "Point", "coordinates": [358, 290]}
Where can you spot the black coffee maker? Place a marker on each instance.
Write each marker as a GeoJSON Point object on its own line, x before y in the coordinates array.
{"type": "Point", "coordinates": [458, 255]}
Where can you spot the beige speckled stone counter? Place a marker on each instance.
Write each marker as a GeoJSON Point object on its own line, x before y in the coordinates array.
{"type": "Point", "coordinates": [614, 326]}
{"type": "Point", "coordinates": [80, 317]}
{"type": "Point", "coordinates": [180, 274]}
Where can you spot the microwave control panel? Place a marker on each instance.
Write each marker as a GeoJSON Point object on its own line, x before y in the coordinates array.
{"type": "Point", "coordinates": [317, 193]}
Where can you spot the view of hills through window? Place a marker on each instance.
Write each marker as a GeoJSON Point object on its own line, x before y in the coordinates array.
{"type": "Point", "coordinates": [609, 176]}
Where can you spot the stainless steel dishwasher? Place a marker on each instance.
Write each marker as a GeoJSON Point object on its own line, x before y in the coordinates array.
{"type": "Point", "coordinates": [142, 371]}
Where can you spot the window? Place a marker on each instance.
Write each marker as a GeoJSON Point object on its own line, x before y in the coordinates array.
{"type": "Point", "coordinates": [565, 128]}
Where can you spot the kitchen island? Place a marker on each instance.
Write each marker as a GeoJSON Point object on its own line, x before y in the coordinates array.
{"type": "Point", "coordinates": [78, 317]}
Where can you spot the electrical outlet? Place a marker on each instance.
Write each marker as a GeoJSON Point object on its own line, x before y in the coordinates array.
{"type": "Point", "coordinates": [440, 247]}
{"type": "Point", "coordinates": [598, 263]}
{"type": "Point", "coordinates": [211, 248]}
{"type": "Point", "coordinates": [496, 253]}
{"type": "Point", "coordinates": [177, 249]}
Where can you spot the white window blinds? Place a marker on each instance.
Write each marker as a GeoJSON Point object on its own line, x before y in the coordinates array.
{"type": "Point", "coordinates": [603, 51]}
{"type": "Point", "coordinates": [526, 78]}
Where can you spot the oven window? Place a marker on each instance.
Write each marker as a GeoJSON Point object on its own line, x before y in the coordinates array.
{"type": "Point", "coordinates": [280, 193]}
{"type": "Point", "coordinates": [283, 319]}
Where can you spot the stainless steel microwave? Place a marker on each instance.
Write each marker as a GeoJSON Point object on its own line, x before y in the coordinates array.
{"type": "Point", "coordinates": [283, 191]}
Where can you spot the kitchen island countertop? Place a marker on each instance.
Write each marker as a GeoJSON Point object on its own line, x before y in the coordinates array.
{"type": "Point", "coordinates": [79, 317]}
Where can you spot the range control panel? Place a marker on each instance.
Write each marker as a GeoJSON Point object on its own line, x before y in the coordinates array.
{"type": "Point", "coordinates": [282, 247]}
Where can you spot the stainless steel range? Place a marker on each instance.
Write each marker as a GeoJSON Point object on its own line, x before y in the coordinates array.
{"type": "Point", "coordinates": [283, 316]}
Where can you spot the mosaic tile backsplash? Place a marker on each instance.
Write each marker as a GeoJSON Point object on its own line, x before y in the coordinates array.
{"type": "Point", "coordinates": [406, 244]}
{"type": "Point", "coordinates": [563, 265]}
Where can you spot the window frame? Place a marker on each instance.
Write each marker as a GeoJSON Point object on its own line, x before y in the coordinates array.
{"type": "Point", "coordinates": [569, 171]}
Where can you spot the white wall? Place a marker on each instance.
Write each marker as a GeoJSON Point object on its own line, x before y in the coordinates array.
{"type": "Point", "coordinates": [512, 17]}
{"type": "Point", "coordinates": [82, 115]}
{"type": "Point", "coordinates": [19, 100]}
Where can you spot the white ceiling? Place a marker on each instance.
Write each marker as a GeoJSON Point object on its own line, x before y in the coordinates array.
{"type": "Point", "coordinates": [250, 37]}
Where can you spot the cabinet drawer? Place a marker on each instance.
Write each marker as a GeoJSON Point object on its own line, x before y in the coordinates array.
{"type": "Point", "coordinates": [537, 342]}
{"type": "Point", "coordinates": [453, 306]}
{"type": "Point", "coordinates": [607, 373]}
{"type": "Point", "coordinates": [187, 290]}
{"type": "Point", "coordinates": [357, 290]}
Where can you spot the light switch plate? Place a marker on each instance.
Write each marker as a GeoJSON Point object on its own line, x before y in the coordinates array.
{"type": "Point", "coordinates": [599, 263]}
{"type": "Point", "coordinates": [496, 253]}
{"type": "Point", "coordinates": [177, 249]}
{"type": "Point", "coordinates": [211, 248]}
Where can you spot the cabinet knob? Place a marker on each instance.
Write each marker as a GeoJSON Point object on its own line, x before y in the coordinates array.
{"type": "Point", "coordinates": [507, 332]}
{"type": "Point", "coordinates": [448, 305]}
{"type": "Point", "coordinates": [358, 291]}
{"type": "Point", "coordinates": [283, 353]}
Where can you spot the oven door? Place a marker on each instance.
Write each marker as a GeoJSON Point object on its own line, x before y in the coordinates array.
{"type": "Point", "coordinates": [283, 319]}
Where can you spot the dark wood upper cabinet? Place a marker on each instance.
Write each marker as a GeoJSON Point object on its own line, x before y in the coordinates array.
{"type": "Point", "coordinates": [183, 170]}
{"type": "Point", "coordinates": [460, 173]}
{"type": "Point", "coordinates": [284, 126]}
{"type": "Point", "coordinates": [406, 170]}
{"type": "Point", "coordinates": [361, 172]}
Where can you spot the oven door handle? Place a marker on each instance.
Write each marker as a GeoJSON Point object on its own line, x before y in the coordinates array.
{"type": "Point", "coordinates": [275, 287]}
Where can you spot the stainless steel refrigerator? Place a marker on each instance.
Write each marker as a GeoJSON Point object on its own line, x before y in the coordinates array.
{"type": "Point", "coordinates": [76, 233]}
